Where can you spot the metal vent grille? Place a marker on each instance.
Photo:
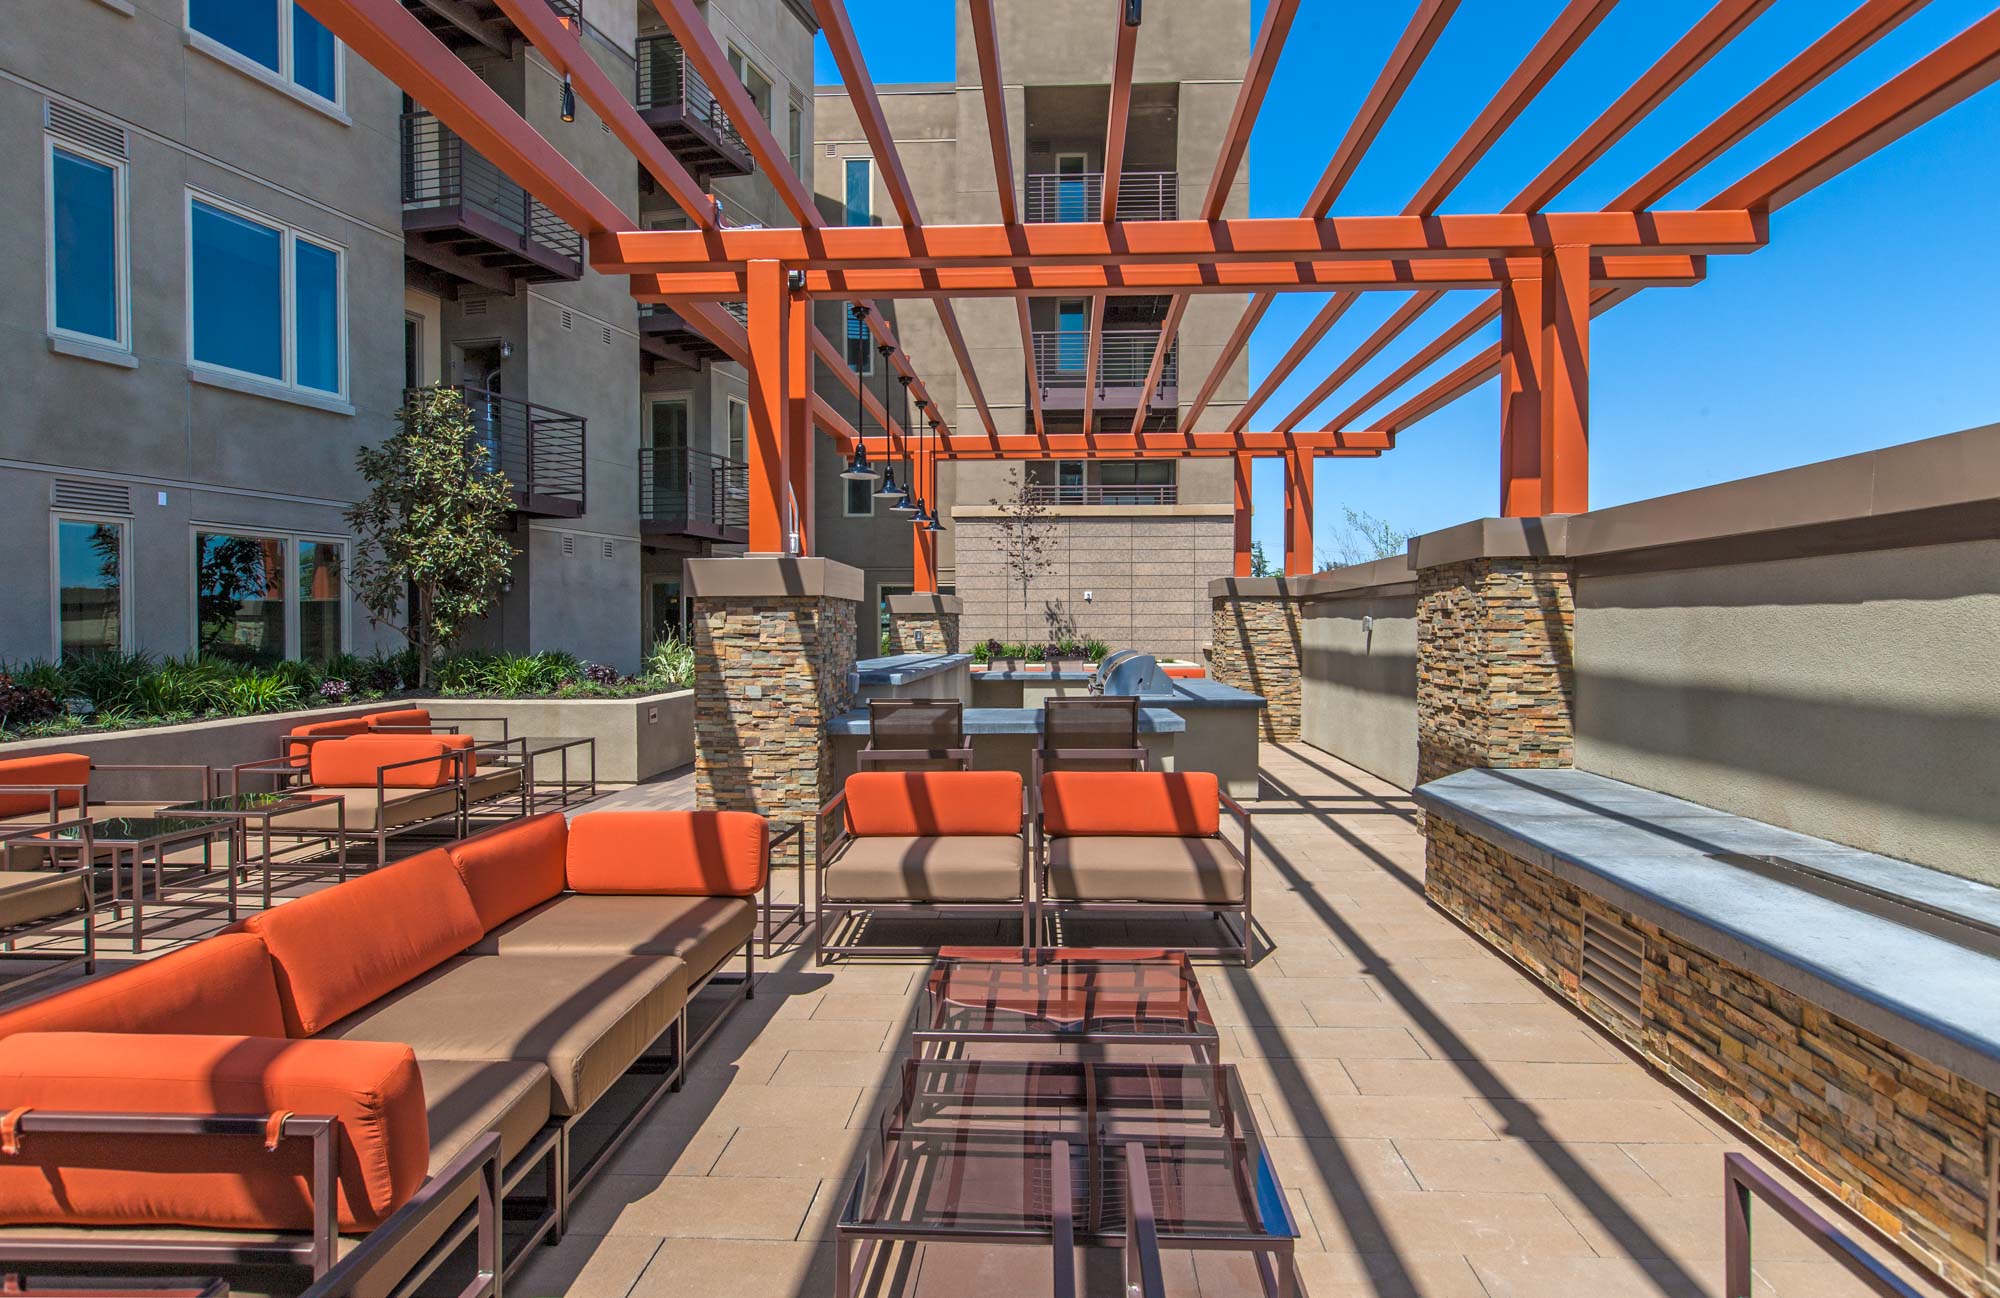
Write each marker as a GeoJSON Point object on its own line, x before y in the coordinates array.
{"type": "Point", "coordinates": [91, 497]}
{"type": "Point", "coordinates": [472, 306]}
{"type": "Point", "coordinates": [1613, 959]}
{"type": "Point", "coordinates": [609, 550]}
{"type": "Point", "coordinates": [569, 543]}
{"type": "Point", "coordinates": [87, 129]}
{"type": "Point", "coordinates": [607, 335]}
{"type": "Point", "coordinates": [568, 319]}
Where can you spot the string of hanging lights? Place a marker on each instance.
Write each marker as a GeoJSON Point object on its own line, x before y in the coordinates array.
{"type": "Point", "coordinates": [907, 496]}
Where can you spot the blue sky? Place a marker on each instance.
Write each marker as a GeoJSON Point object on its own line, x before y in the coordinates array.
{"type": "Point", "coordinates": [1872, 318]}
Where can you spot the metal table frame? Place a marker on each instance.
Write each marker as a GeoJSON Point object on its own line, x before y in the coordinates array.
{"type": "Point", "coordinates": [931, 1030]}
{"type": "Point", "coordinates": [240, 820]}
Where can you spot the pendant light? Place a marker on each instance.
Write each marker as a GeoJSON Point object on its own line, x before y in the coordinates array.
{"type": "Point", "coordinates": [931, 523]}
{"type": "Point", "coordinates": [568, 100]}
{"type": "Point", "coordinates": [859, 469]}
{"type": "Point", "coordinates": [890, 491]}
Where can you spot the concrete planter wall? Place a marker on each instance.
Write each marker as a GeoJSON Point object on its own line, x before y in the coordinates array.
{"type": "Point", "coordinates": [218, 744]}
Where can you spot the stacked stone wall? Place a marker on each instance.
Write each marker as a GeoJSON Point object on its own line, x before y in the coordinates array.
{"type": "Point", "coordinates": [1496, 681]}
{"type": "Point", "coordinates": [923, 633]}
{"type": "Point", "coordinates": [1255, 647]}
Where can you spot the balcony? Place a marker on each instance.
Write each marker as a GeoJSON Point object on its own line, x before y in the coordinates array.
{"type": "Point", "coordinates": [1061, 356]}
{"type": "Point", "coordinates": [685, 492]}
{"type": "Point", "coordinates": [462, 24]}
{"type": "Point", "coordinates": [1079, 196]}
{"type": "Point", "coordinates": [464, 217]}
{"type": "Point", "coordinates": [684, 113]}
{"type": "Point", "coordinates": [1163, 493]}
{"type": "Point", "coordinates": [665, 334]}
{"type": "Point", "coordinates": [538, 448]}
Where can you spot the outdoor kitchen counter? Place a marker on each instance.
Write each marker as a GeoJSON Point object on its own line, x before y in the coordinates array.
{"type": "Point", "coordinates": [914, 676]}
{"type": "Point", "coordinates": [1004, 739]}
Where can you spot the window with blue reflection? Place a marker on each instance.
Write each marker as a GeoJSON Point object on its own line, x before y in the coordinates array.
{"type": "Point", "coordinates": [860, 191]}
{"type": "Point", "coordinates": [237, 292]}
{"type": "Point", "coordinates": [83, 219]}
{"type": "Point", "coordinates": [250, 27]}
{"type": "Point", "coordinates": [314, 67]}
{"type": "Point", "coordinates": [90, 576]}
{"type": "Point", "coordinates": [316, 315]}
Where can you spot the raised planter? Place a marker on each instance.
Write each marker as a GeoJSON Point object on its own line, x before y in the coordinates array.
{"type": "Point", "coordinates": [637, 738]}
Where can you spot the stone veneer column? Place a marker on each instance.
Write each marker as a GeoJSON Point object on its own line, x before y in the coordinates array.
{"type": "Point", "coordinates": [1496, 681]}
{"type": "Point", "coordinates": [1256, 646]}
{"type": "Point", "coordinates": [923, 624]}
{"type": "Point", "coordinates": [774, 662]}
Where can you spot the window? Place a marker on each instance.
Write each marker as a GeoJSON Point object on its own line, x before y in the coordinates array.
{"type": "Point", "coordinates": [413, 351]}
{"type": "Point", "coordinates": [795, 138]}
{"type": "Point", "coordinates": [859, 190]}
{"type": "Point", "coordinates": [260, 598]}
{"type": "Point", "coordinates": [264, 300]}
{"type": "Point", "coordinates": [275, 35]}
{"type": "Point", "coordinates": [753, 80]}
{"type": "Point", "coordinates": [1073, 188]}
{"type": "Point", "coordinates": [87, 245]}
{"type": "Point", "coordinates": [89, 578]}
{"type": "Point", "coordinates": [860, 497]}
{"type": "Point", "coordinates": [1072, 334]}
{"type": "Point", "coordinates": [860, 346]}
{"type": "Point", "coordinates": [739, 424]}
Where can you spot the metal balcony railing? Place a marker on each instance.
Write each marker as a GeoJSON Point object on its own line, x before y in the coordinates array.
{"type": "Point", "coordinates": [449, 188]}
{"type": "Point", "coordinates": [540, 449]}
{"type": "Point", "coordinates": [1079, 196]}
{"type": "Point", "coordinates": [1062, 356]}
{"type": "Point", "coordinates": [686, 492]}
{"type": "Point", "coordinates": [673, 98]}
{"type": "Point", "coordinates": [1164, 493]}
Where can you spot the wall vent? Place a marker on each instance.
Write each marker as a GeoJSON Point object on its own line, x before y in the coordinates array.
{"type": "Point", "coordinates": [829, 150]}
{"type": "Point", "coordinates": [609, 550]}
{"type": "Point", "coordinates": [91, 497]}
{"type": "Point", "coordinates": [568, 318]}
{"type": "Point", "coordinates": [1614, 958]}
{"type": "Point", "coordinates": [87, 129]}
{"type": "Point", "coordinates": [569, 543]}
{"type": "Point", "coordinates": [472, 306]}
{"type": "Point", "coordinates": [607, 335]}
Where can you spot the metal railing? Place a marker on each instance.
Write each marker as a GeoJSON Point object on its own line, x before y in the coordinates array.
{"type": "Point", "coordinates": [668, 80]}
{"type": "Point", "coordinates": [681, 489]}
{"type": "Point", "coordinates": [442, 171]}
{"type": "Point", "coordinates": [1161, 493]}
{"type": "Point", "coordinates": [539, 449]}
{"type": "Point", "coordinates": [1742, 1180]}
{"type": "Point", "coordinates": [1079, 196]}
{"type": "Point", "coordinates": [1062, 355]}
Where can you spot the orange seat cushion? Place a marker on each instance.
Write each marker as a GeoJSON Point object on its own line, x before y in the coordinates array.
{"type": "Point", "coordinates": [356, 942]}
{"type": "Point", "coordinates": [668, 853]}
{"type": "Point", "coordinates": [353, 763]}
{"type": "Point", "coordinates": [372, 1089]}
{"type": "Point", "coordinates": [1140, 804]}
{"type": "Point", "coordinates": [512, 868]}
{"type": "Point", "coordinates": [399, 717]}
{"type": "Point", "coordinates": [340, 728]}
{"type": "Point", "coordinates": [222, 986]}
{"type": "Point", "coordinates": [930, 804]}
{"type": "Point", "coordinates": [43, 769]}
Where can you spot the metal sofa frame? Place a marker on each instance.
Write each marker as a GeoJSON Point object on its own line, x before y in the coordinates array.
{"type": "Point", "coordinates": [84, 868]}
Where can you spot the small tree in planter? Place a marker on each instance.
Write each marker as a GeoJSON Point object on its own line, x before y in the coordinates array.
{"type": "Point", "coordinates": [431, 555]}
{"type": "Point", "coordinates": [1027, 530]}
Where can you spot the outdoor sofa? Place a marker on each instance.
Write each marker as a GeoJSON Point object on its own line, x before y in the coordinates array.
{"type": "Point", "coordinates": [39, 896]}
{"type": "Point", "coordinates": [920, 843]}
{"type": "Point", "coordinates": [1140, 842]}
{"type": "Point", "coordinates": [46, 787]}
{"type": "Point", "coordinates": [359, 1078]}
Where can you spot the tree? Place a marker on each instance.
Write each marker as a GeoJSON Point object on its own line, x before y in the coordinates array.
{"type": "Point", "coordinates": [1364, 538]}
{"type": "Point", "coordinates": [1260, 563]}
{"type": "Point", "coordinates": [431, 555]}
{"type": "Point", "coordinates": [1027, 529]}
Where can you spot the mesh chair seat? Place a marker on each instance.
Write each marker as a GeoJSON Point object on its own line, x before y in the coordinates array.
{"type": "Point", "coordinates": [926, 732]}
{"type": "Point", "coordinates": [1090, 731]}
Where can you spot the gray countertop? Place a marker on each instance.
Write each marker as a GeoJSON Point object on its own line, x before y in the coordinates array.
{"type": "Point", "coordinates": [1656, 856]}
{"type": "Point", "coordinates": [1011, 721]}
{"type": "Point", "coordinates": [902, 669]}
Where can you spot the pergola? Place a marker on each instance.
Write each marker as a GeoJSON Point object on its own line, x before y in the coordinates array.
{"type": "Point", "coordinates": [1544, 275]}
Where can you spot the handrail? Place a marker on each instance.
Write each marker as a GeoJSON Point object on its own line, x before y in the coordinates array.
{"type": "Point", "coordinates": [1163, 493]}
{"type": "Point", "coordinates": [668, 80]}
{"type": "Point", "coordinates": [540, 449]}
{"type": "Point", "coordinates": [680, 486]}
{"type": "Point", "coordinates": [1125, 357]}
{"type": "Point", "coordinates": [442, 171]}
{"type": "Point", "coordinates": [1079, 196]}
{"type": "Point", "coordinates": [1741, 1179]}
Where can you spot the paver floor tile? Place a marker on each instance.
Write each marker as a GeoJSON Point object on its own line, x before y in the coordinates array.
{"type": "Point", "coordinates": [696, 1207]}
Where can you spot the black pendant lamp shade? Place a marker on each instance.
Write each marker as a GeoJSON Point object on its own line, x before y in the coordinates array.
{"type": "Point", "coordinates": [859, 469]}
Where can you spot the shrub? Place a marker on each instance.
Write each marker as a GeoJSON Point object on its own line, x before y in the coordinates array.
{"type": "Point", "coordinates": [981, 652]}
{"type": "Point", "coordinates": [1096, 650]}
{"type": "Point", "coordinates": [670, 664]}
{"type": "Point", "coordinates": [600, 674]}
{"type": "Point", "coordinates": [22, 705]}
{"type": "Point", "coordinates": [333, 689]}
{"type": "Point", "coordinates": [1035, 653]}
{"type": "Point", "coordinates": [263, 691]}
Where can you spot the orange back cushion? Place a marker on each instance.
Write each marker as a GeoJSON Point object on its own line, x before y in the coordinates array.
{"type": "Point", "coordinates": [223, 986]}
{"type": "Point", "coordinates": [509, 868]}
{"type": "Point", "coordinates": [400, 717]}
{"type": "Point", "coordinates": [669, 853]}
{"type": "Point", "coordinates": [324, 730]}
{"type": "Point", "coordinates": [1186, 673]}
{"type": "Point", "coordinates": [1079, 804]}
{"type": "Point", "coordinates": [356, 942]}
{"type": "Point", "coordinates": [44, 769]}
{"type": "Point", "coordinates": [933, 803]}
{"type": "Point", "coordinates": [353, 763]}
{"type": "Point", "coordinates": [382, 1143]}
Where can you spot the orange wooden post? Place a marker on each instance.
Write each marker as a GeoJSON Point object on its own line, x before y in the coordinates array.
{"type": "Point", "coordinates": [766, 451]}
{"type": "Point", "coordinates": [1298, 513]}
{"type": "Point", "coordinates": [1565, 421]}
{"type": "Point", "coordinates": [1243, 463]}
{"type": "Point", "coordinates": [1521, 383]}
{"type": "Point", "coordinates": [798, 415]}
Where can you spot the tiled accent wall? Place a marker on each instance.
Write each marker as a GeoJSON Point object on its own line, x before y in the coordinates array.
{"type": "Point", "coordinates": [1496, 682]}
{"type": "Point", "coordinates": [1897, 1138]}
{"type": "Point", "coordinates": [923, 633]}
{"type": "Point", "coordinates": [771, 672]}
{"type": "Point", "coordinates": [1256, 648]}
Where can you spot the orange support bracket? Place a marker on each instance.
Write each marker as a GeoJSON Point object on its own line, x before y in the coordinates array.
{"type": "Point", "coordinates": [767, 325]}
{"type": "Point", "coordinates": [1243, 516]}
{"type": "Point", "coordinates": [1298, 513]}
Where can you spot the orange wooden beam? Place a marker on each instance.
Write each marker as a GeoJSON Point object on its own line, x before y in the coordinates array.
{"type": "Point", "coordinates": [1316, 329]}
{"type": "Point", "coordinates": [1298, 514]}
{"type": "Point", "coordinates": [1243, 517]}
{"type": "Point", "coordinates": [1521, 384]}
{"type": "Point", "coordinates": [1565, 409]}
{"type": "Point", "coordinates": [767, 373]}
{"type": "Point", "coordinates": [828, 353]}
{"type": "Point", "coordinates": [1473, 321]}
{"type": "Point", "coordinates": [1157, 445]}
{"type": "Point", "coordinates": [1093, 353]}
{"type": "Point", "coordinates": [993, 92]}
{"type": "Point", "coordinates": [1119, 116]}
{"type": "Point", "coordinates": [1370, 348]}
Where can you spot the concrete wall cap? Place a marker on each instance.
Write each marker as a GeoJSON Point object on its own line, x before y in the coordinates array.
{"type": "Point", "coordinates": [918, 604]}
{"type": "Point", "coordinates": [1493, 538]}
{"type": "Point", "coordinates": [1360, 578]}
{"type": "Point", "coordinates": [768, 577]}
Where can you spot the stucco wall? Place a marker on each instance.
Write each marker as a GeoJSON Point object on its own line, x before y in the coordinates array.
{"type": "Point", "coordinates": [1359, 682]}
{"type": "Point", "coordinates": [1850, 696]}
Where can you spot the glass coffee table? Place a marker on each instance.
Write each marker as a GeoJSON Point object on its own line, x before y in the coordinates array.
{"type": "Point", "coordinates": [1063, 996]}
{"type": "Point", "coordinates": [143, 840]}
{"type": "Point", "coordinates": [1060, 1153]}
{"type": "Point", "coordinates": [246, 812]}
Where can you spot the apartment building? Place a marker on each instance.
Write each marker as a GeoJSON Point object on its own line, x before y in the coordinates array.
{"type": "Point", "coordinates": [1132, 545]}
{"type": "Point", "coordinates": [238, 246]}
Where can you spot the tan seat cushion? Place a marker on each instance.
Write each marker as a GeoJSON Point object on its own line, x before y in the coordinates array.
{"type": "Point", "coordinates": [961, 867]}
{"type": "Point", "coordinates": [703, 931]}
{"type": "Point", "coordinates": [497, 782]}
{"type": "Point", "coordinates": [1190, 871]}
{"type": "Point", "coordinates": [367, 812]}
{"type": "Point", "coordinates": [30, 895]}
{"type": "Point", "coordinates": [587, 1018]}
{"type": "Point", "coordinates": [466, 1099]}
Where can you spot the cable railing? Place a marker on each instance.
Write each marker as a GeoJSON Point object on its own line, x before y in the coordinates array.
{"type": "Point", "coordinates": [683, 490]}
{"type": "Point", "coordinates": [1128, 493]}
{"type": "Point", "coordinates": [442, 172]}
{"type": "Point", "coordinates": [1079, 196]}
{"type": "Point", "coordinates": [668, 80]}
{"type": "Point", "coordinates": [1125, 356]}
{"type": "Point", "coordinates": [538, 448]}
